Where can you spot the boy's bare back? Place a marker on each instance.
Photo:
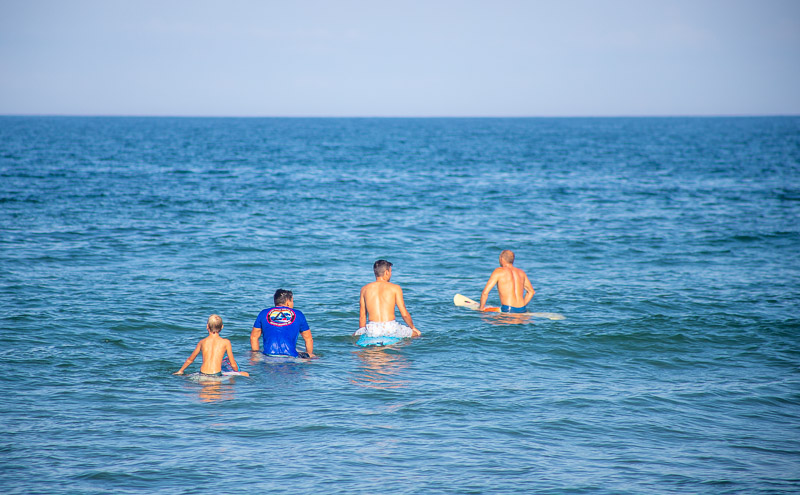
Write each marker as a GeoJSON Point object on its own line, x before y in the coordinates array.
{"type": "Point", "coordinates": [214, 348]}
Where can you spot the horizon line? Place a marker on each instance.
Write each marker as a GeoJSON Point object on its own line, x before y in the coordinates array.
{"type": "Point", "coordinates": [619, 116]}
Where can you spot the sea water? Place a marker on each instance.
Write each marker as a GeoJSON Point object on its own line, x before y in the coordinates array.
{"type": "Point", "coordinates": [671, 245]}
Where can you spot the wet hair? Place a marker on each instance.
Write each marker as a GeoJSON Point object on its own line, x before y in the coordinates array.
{"type": "Point", "coordinates": [508, 255]}
{"type": "Point", "coordinates": [380, 267]}
{"type": "Point", "coordinates": [214, 323]}
{"type": "Point", "coordinates": [282, 296]}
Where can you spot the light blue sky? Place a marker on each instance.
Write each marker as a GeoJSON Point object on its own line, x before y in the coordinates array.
{"type": "Point", "coordinates": [400, 58]}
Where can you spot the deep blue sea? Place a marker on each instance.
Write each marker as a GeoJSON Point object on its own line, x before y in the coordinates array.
{"type": "Point", "coordinates": [671, 245]}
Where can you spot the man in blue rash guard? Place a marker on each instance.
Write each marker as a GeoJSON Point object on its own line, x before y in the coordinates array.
{"type": "Point", "coordinates": [279, 326]}
{"type": "Point", "coordinates": [512, 284]}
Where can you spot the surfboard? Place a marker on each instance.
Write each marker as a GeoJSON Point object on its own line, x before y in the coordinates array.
{"type": "Point", "coordinates": [464, 301]}
{"type": "Point", "coordinates": [227, 369]}
{"type": "Point", "coordinates": [201, 378]}
{"type": "Point", "coordinates": [365, 341]}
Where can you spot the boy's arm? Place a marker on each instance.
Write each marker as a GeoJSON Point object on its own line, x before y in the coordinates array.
{"type": "Point", "coordinates": [229, 350]}
{"type": "Point", "coordinates": [190, 360]}
{"type": "Point", "coordinates": [235, 366]}
{"type": "Point", "coordinates": [255, 334]}
{"type": "Point", "coordinates": [309, 340]}
{"type": "Point", "coordinates": [401, 305]}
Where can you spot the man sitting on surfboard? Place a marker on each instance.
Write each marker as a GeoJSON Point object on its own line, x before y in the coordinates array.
{"type": "Point", "coordinates": [213, 348]}
{"type": "Point", "coordinates": [378, 299]}
{"type": "Point", "coordinates": [512, 284]}
{"type": "Point", "coordinates": [280, 327]}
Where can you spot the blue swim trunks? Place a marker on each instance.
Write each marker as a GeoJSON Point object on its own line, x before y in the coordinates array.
{"type": "Point", "coordinates": [511, 309]}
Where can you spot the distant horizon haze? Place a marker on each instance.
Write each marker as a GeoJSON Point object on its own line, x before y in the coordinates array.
{"type": "Point", "coordinates": [354, 58]}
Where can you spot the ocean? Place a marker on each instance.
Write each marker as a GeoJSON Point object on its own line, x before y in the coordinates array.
{"type": "Point", "coordinates": [671, 246]}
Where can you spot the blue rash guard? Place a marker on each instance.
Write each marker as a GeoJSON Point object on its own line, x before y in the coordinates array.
{"type": "Point", "coordinates": [280, 327]}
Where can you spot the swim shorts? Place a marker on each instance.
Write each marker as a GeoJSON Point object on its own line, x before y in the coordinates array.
{"type": "Point", "coordinates": [200, 375]}
{"type": "Point", "coordinates": [385, 329]}
{"type": "Point", "coordinates": [382, 333]}
{"type": "Point", "coordinates": [511, 309]}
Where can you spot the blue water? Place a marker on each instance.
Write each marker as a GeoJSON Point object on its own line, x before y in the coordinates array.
{"type": "Point", "coordinates": [671, 245]}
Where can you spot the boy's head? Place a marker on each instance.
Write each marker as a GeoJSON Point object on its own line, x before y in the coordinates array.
{"type": "Point", "coordinates": [214, 324]}
{"type": "Point", "coordinates": [282, 297]}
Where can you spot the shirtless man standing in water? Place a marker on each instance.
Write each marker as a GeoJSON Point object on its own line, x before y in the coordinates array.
{"type": "Point", "coordinates": [378, 299]}
{"type": "Point", "coordinates": [512, 284]}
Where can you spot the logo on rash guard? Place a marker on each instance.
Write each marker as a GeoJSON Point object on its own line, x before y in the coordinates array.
{"type": "Point", "coordinates": [280, 317]}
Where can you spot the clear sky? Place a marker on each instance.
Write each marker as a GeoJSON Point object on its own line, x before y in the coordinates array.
{"type": "Point", "coordinates": [400, 58]}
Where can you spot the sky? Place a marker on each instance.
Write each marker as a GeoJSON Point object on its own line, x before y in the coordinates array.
{"type": "Point", "coordinates": [375, 58]}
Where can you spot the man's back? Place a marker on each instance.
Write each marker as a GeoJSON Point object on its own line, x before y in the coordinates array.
{"type": "Point", "coordinates": [510, 285]}
{"type": "Point", "coordinates": [380, 299]}
{"type": "Point", "coordinates": [279, 328]}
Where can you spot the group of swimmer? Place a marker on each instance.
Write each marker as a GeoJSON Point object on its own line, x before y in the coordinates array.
{"type": "Point", "coordinates": [278, 327]}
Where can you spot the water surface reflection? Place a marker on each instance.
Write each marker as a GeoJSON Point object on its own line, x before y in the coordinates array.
{"type": "Point", "coordinates": [381, 367]}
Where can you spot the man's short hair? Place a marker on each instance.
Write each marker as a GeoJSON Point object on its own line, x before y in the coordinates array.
{"type": "Point", "coordinates": [508, 255]}
{"type": "Point", "coordinates": [380, 267]}
{"type": "Point", "coordinates": [214, 323]}
{"type": "Point", "coordinates": [282, 296]}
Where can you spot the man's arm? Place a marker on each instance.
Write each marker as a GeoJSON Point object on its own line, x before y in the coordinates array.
{"type": "Point", "coordinates": [190, 360]}
{"type": "Point", "coordinates": [309, 340]}
{"type": "Point", "coordinates": [255, 334]}
{"type": "Point", "coordinates": [487, 289]}
{"type": "Point", "coordinates": [401, 305]}
{"type": "Point", "coordinates": [529, 291]}
{"type": "Point", "coordinates": [362, 310]}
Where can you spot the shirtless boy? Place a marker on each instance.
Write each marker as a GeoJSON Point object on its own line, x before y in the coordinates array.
{"type": "Point", "coordinates": [513, 285]}
{"type": "Point", "coordinates": [213, 348]}
{"type": "Point", "coordinates": [378, 300]}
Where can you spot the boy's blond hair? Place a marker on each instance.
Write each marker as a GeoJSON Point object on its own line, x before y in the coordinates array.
{"type": "Point", "coordinates": [214, 323]}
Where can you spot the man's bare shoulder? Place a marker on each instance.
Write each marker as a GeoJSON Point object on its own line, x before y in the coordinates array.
{"type": "Point", "coordinates": [381, 285]}
{"type": "Point", "coordinates": [499, 271]}
{"type": "Point", "coordinates": [368, 287]}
